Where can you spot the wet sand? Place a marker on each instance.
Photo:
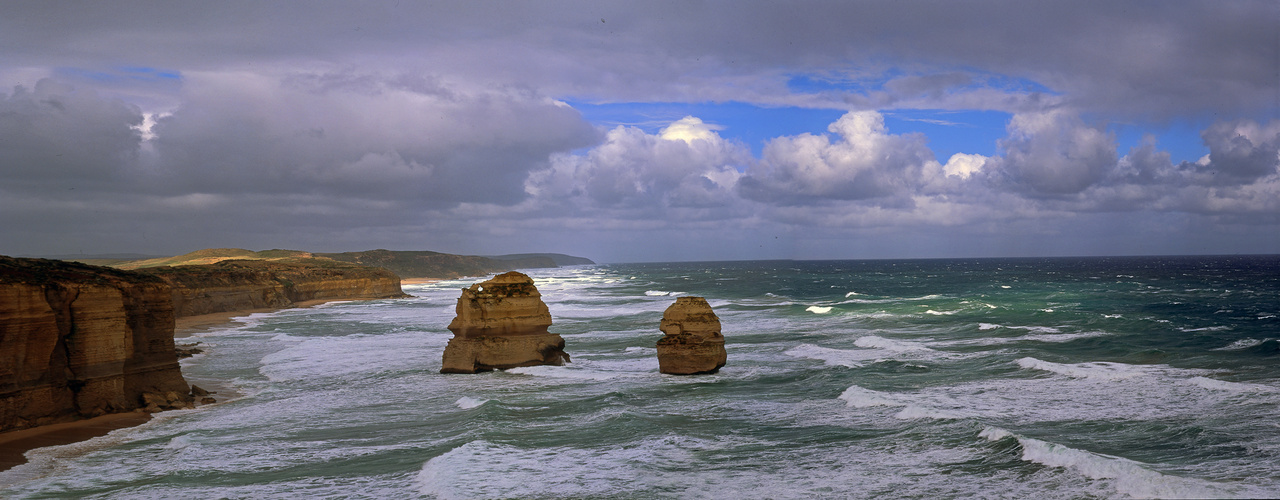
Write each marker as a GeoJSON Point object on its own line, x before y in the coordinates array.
{"type": "Point", "coordinates": [14, 444]}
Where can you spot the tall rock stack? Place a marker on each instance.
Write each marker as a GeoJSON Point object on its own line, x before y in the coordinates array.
{"type": "Point", "coordinates": [693, 343]}
{"type": "Point", "coordinates": [501, 323]}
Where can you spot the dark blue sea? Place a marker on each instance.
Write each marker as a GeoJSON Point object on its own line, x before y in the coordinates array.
{"type": "Point", "coordinates": [1152, 377]}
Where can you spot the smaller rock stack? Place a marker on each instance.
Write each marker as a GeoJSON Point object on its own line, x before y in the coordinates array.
{"type": "Point", "coordinates": [693, 343]}
{"type": "Point", "coordinates": [501, 323]}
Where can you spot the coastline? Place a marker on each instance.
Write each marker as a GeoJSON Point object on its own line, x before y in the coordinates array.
{"type": "Point", "coordinates": [417, 281]}
{"type": "Point", "coordinates": [15, 444]}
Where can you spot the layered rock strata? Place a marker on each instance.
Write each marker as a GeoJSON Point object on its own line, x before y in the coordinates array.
{"type": "Point", "coordinates": [78, 341]}
{"type": "Point", "coordinates": [693, 343]}
{"type": "Point", "coordinates": [501, 323]}
{"type": "Point", "coordinates": [241, 285]}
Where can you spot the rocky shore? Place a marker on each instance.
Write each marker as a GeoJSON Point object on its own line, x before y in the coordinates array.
{"type": "Point", "coordinates": [84, 342]}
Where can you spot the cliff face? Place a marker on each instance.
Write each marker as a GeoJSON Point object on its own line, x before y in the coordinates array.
{"type": "Point", "coordinates": [439, 265]}
{"type": "Point", "coordinates": [79, 341]}
{"type": "Point", "coordinates": [237, 285]}
{"type": "Point", "coordinates": [693, 343]}
{"type": "Point", "coordinates": [501, 323]}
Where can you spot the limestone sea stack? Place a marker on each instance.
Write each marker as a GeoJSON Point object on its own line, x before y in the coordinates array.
{"type": "Point", "coordinates": [693, 343]}
{"type": "Point", "coordinates": [501, 323]}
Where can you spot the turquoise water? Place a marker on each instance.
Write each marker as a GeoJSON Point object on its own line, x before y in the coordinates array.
{"type": "Point", "coordinates": [1009, 378]}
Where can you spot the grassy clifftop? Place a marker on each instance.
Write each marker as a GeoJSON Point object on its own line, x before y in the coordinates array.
{"type": "Point", "coordinates": [423, 264]}
{"type": "Point", "coordinates": [405, 264]}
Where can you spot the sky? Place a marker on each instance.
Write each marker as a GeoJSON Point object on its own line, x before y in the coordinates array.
{"type": "Point", "coordinates": [642, 131]}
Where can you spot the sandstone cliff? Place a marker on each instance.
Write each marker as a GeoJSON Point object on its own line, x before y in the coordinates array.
{"type": "Point", "coordinates": [693, 343]}
{"type": "Point", "coordinates": [238, 285]}
{"type": "Point", "coordinates": [78, 341]}
{"type": "Point", "coordinates": [501, 323]}
{"type": "Point", "coordinates": [423, 264]}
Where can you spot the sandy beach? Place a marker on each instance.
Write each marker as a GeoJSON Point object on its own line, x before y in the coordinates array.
{"type": "Point", "coordinates": [14, 444]}
{"type": "Point", "coordinates": [417, 281]}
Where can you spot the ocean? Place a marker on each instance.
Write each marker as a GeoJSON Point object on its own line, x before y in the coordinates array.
{"type": "Point", "coordinates": [965, 378]}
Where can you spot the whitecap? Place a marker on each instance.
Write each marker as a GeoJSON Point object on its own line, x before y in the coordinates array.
{"type": "Point", "coordinates": [874, 342]}
{"type": "Point", "coordinates": [819, 309]}
{"type": "Point", "coordinates": [833, 357]}
{"type": "Point", "coordinates": [657, 293]}
{"type": "Point", "coordinates": [468, 403]}
{"type": "Point", "coordinates": [1242, 344]}
{"type": "Point", "coordinates": [1038, 329]}
{"type": "Point", "coordinates": [1130, 478]}
{"type": "Point", "coordinates": [942, 313]}
{"type": "Point", "coordinates": [912, 408]}
{"type": "Point", "coordinates": [850, 294]}
{"type": "Point", "coordinates": [913, 412]}
{"type": "Point", "coordinates": [858, 397]}
{"type": "Point", "coordinates": [1096, 370]}
{"type": "Point", "coordinates": [1206, 329]}
{"type": "Point", "coordinates": [1112, 316]}
{"type": "Point", "coordinates": [1223, 385]}
{"type": "Point", "coordinates": [1104, 370]}
{"type": "Point", "coordinates": [988, 326]}
{"type": "Point", "coordinates": [564, 372]}
{"type": "Point", "coordinates": [1046, 337]}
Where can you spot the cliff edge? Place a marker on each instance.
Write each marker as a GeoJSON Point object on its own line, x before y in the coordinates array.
{"type": "Point", "coordinates": [242, 285]}
{"type": "Point", "coordinates": [78, 341]}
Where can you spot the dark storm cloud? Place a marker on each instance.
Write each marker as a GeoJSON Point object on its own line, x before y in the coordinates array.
{"type": "Point", "coordinates": [52, 136]}
{"type": "Point", "coordinates": [398, 139]}
{"type": "Point", "coordinates": [1141, 58]}
{"type": "Point", "coordinates": [345, 124]}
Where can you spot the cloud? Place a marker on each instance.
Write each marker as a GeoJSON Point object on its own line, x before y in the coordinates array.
{"type": "Point", "coordinates": [862, 163]}
{"type": "Point", "coordinates": [687, 164]}
{"type": "Point", "coordinates": [1054, 153]}
{"type": "Point", "coordinates": [54, 136]}
{"type": "Point", "coordinates": [343, 134]}
{"type": "Point", "coordinates": [1241, 151]}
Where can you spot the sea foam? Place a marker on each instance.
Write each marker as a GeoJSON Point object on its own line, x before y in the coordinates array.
{"type": "Point", "coordinates": [468, 403]}
{"type": "Point", "coordinates": [1128, 477]}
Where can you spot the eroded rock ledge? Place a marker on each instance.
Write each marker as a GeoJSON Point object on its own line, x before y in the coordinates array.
{"type": "Point", "coordinates": [693, 343]}
{"type": "Point", "coordinates": [241, 285]}
{"type": "Point", "coordinates": [79, 341]}
{"type": "Point", "coordinates": [501, 323]}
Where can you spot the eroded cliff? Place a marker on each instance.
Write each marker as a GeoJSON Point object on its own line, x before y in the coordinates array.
{"type": "Point", "coordinates": [78, 341]}
{"type": "Point", "coordinates": [240, 285]}
{"type": "Point", "coordinates": [693, 343]}
{"type": "Point", "coordinates": [501, 323]}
